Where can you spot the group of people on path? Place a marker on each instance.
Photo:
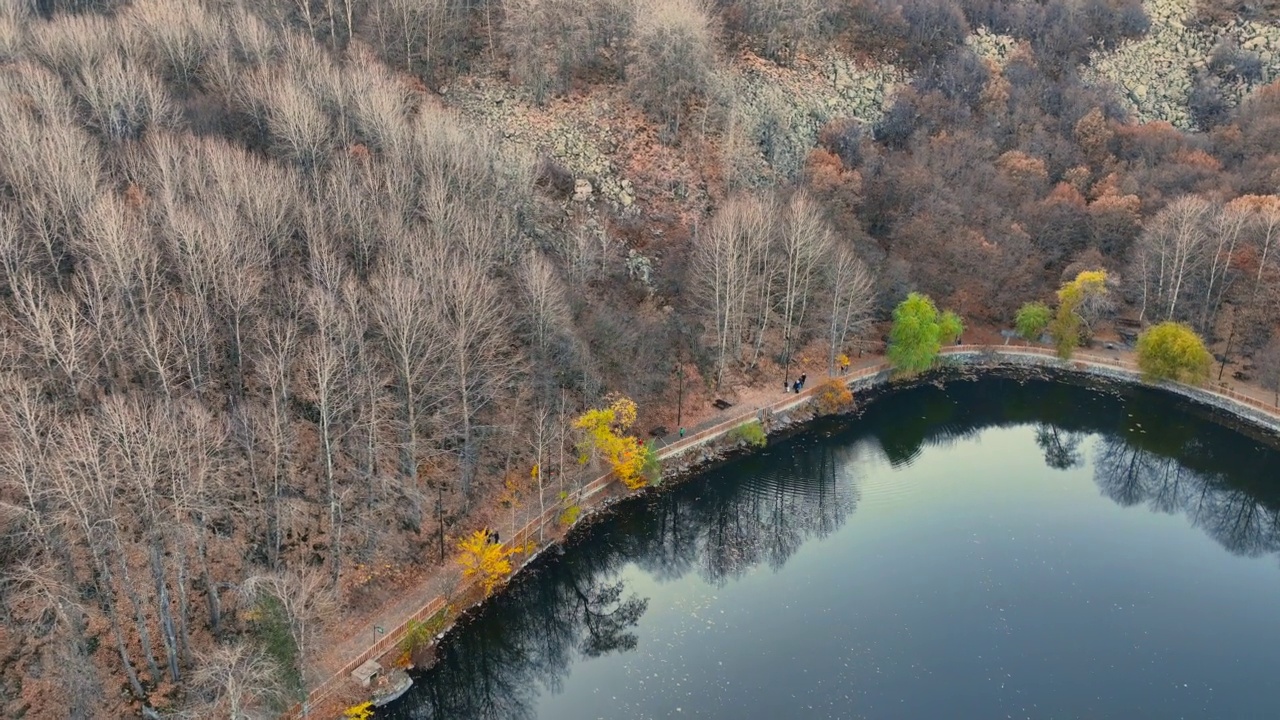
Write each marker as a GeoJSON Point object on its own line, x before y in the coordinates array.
{"type": "Point", "coordinates": [798, 385]}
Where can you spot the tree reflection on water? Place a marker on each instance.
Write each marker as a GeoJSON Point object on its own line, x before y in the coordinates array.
{"type": "Point", "coordinates": [1145, 449]}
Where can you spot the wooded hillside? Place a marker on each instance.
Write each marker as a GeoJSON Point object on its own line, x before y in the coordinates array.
{"type": "Point", "coordinates": [292, 290]}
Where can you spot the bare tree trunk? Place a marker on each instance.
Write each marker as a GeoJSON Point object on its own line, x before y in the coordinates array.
{"type": "Point", "coordinates": [140, 618]}
{"type": "Point", "coordinates": [210, 587]}
{"type": "Point", "coordinates": [168, 631]}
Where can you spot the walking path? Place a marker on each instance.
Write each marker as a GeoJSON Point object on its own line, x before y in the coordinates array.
{"type": "Point", "coordinates": [361, 641]}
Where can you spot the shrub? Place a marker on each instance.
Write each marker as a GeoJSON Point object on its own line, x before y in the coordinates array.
{"type": "Point", "coordinates": [844, 139]}
{"type": "Point", "coordinates": [960, 76]}
{"type": "Point", "coordinates": [833, 397]}
{"type": "Point", "coordinates": [1032, 319]}
{"type": "Point", "coordinates": [269, 624]}
{"type": "Point", "coordinates": [570, 515]}
{"type": "Point", "coordinates": [1173, 351]}
{"type": "Point", "coordinates": [419, 633]}
{"type": "Point", "coordinates": [1132, 20]}
{"type": "Point", "coordinates": [651, 466]}
{"type": "Point", "coordinates": [1229, 62]}
{"type": "Point", "coordinates": [673, 62]}
{"type": "Point", "coordinates": [1207, 102]}
{"type": "Point", "coordinates": [751, 433]}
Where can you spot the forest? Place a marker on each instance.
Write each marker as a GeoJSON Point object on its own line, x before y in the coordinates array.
{"type": "Point", "coordinates": [293, 293]}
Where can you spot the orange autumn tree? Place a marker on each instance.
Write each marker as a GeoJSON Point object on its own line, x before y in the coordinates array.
{"type": "Point", "coordinates": [634, 462]}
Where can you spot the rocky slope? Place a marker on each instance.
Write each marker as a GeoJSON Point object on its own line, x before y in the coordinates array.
{"type": "Point", "coordinates": [1155, 75]}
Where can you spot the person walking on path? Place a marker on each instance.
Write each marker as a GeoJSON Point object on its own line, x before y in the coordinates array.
{"type": "Point", "coordinates": [802, 379]}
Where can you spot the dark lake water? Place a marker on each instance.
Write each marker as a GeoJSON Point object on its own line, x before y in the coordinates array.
{"type": "Point", "coordinates": [997, 549]}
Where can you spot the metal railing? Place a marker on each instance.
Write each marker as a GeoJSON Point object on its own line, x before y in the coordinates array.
{"type": "Point", "coordinates": [1083, 360]}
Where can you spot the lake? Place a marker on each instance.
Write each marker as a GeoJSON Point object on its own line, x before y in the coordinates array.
{"type": "Point", "coordinates": [990, 548]}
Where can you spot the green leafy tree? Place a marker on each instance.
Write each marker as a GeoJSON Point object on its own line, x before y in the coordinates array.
{"type": "Point", "coordinates": [950, 327]}
{"type": "Point", "coordinates": [1031, 320]}
{"type": "Point", "coordinates": [918, 333]}
{"type": "Point", "coordinates": [1173, 351]}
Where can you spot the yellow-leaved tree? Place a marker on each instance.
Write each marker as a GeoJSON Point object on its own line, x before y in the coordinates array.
{"type": "Point", "coordinates": [1173, 351]}
{"type": "Point", "coordinates": [633, 462]}
{"type": "Point", "coordinates": [1080, 301]}
{"type": "Point", "coordinates": [363, 711]}
{"type": "Point", "coordinates": [490, 561]}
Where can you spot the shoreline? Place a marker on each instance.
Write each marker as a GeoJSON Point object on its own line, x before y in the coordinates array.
{"type": "Point", "coordinates": [784, 417]}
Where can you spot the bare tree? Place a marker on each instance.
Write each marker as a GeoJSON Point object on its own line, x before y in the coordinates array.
{"type": "Point", "coordinates": [545, 308]}
{"type": "Point", "coordinates": [51, 165]}
{"type": "Point", "coordinates": [542, 432]}
{"type": "Point", "coordinates": [133, 437]}
{"type": "Point", "coordinates": [1172, 249]}
{"type": "Point", "coordinates": [1229, 225]}
{"type": "Point", "coordinates": [307, 602]}
{"type": "Point", "coordinates": [804, 243]}
{"type": "Point", "coordinates": [418, 34]}
{"type": "Point", "coordinates": [781, 26]}
{"type": "Point", "coordinates": [473, 325]}
{"type": "Point", "coordinates": [674, 61]}
{"type": "Point", "coordinates": [86, 490]}
{"type": "Point", "coordinates": [56, 334]}
{"type": "Point", "coordinates": [276, 364]}
{"type": "Point", "coordinates": [852, 294]}
{"type": "Point", "coordinates": [25, 459]}
{"type": "Point", "coordinates": [731, 266]}
{"type": "Point", "coordinates": [225, 270]}
{"type": "Point", "coordinates": [1266, 231]}
{"type": "Point", "coordinates": [300, 131]}
{"type": "Point", "coordinates": [14, 20]}
{"type": "Point", "coordinates": [123, 99]}
{"type": "Point", "coordinates": [411, 346]}
{"type": "Point", "coordinates": [323, 360]}
{"type": "Point", "coordinates": [549, 41]}
{"type": "Point", "coordinates": [240, 681]}
{"type": "Point", "coordinates": [178, 37]}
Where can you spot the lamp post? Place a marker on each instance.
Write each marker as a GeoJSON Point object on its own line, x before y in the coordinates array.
{"type": "Point", "coordinates": [680, 397]}
{"type": "Point", "coordinates": [786, 363]}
